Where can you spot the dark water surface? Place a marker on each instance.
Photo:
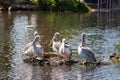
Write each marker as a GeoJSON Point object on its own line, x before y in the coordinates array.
{"type": "Point", "coordinates": [102, 29]}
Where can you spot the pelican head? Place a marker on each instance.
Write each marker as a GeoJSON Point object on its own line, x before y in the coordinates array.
{"type": "Point", "coordinates": [36, 39]}
{"type": "Point", "coordinates": [83, 39]}
{"type": "Point", "coordinates": [56, 35]}
{"type": "Point", "coordinates": [35, 33]}
{"type": "Point", "coordinates": [55, 38]}
{"type": "Point", "coordinates": [64, 41]}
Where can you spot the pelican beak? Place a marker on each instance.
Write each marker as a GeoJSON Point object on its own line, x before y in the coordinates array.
{"type": "Point", "coordinates": [66, 42]}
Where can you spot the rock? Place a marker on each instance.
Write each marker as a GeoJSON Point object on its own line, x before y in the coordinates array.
{"type": "Point", "coordinates": [52, 59]}
{"type": "Point", "coordinates": [114, 57]}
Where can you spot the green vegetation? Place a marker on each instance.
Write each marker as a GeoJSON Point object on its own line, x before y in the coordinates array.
{"type": "Point", "coordinates": [62, 5]}
{"type": "Point", "coordinates": [49, 5]}
{"type": "Point", "coordinates": [19, 1]}
{"type": "Point", "coordinates": [117, 46]}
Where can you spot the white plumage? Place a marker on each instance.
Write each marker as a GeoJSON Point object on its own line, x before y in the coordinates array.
{"type": "Point", "coordinates": [30, 43]}
{"type": "Point", "coordinates": [55, 43]}
{"type": "Point", "coordinates": [85, 52]}
{"type": "Point", "coordinates": [65, 50]}
{"type": "Point", "coordinates": [34, 49]}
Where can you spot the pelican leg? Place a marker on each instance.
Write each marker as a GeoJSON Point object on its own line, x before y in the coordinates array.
{"type": "Point", "coordinates": [60, 57]}
{"type": "Point", "coordinates": [85, 62]}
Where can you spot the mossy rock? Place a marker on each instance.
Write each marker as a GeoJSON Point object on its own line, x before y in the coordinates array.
{"type": "Point", "coordinates": [114, 57]}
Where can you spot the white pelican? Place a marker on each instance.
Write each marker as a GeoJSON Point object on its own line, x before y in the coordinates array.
{"type": "Point", "coordinates": [55, 43]}
{"type": "Point", "coordinates": [35, 50]}
{"type": "Point", "coordinates": [85, 52]}
{"type": "Point", "coordinates": [30, 43]}
{"type": "Point", "coordinates": [65, 50]}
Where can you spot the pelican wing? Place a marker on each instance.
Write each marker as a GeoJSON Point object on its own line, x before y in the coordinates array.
{"type": "Point", "coordinates": [69, 52]}
{"type": "Point", "coordinates": [27, 46]}
{"type": "Point", "coordinates": [29, 52]}
{"type": "Point", "coordinates": [57, 46]}
{"type": "Point", "coordinates": [38, 49]}
{"type": "Point", "coordinates": [89, 54]}
{"type": "Point", "coordinates": [68, 46]}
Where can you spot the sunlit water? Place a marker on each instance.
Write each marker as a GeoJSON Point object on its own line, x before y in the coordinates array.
{"type": "Point", "coordinates": [102, 30]}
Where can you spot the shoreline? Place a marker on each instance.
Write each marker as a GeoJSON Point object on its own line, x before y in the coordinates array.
{"type": "Point", "coordinates": [31, 7]}
{"type": "Point", "coordinates": [19, 7]}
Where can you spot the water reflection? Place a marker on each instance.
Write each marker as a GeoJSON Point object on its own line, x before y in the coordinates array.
{"type": "Point", "coordinates": [59, 71]}
{"type": "Point", "coordinates": [5, 46]}
{"type": "Point", "coordinates": [19, 37]}
{"type": "Point", "coordinates": [102, 31]}
{"type": "Point", "coordinates": [109, 24]}
{"type": "Point", "coordinates": [108, 19]}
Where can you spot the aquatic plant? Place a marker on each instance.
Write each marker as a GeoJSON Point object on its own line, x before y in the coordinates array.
{"type": "Point", "coordinates": [117, 46]}
{"type": "Point", "coordinates": [45, 5]}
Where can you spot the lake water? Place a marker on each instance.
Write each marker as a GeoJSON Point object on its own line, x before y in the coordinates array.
{"type": "Point", "coordinates": [102, 30]}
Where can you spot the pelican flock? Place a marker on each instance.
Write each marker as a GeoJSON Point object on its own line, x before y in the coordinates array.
{"type": "Point", "coordinates": [63, 49]}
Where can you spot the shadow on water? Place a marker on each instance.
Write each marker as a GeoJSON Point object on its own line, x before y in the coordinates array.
{"type": "Point", "coordinates": [102, 31]}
